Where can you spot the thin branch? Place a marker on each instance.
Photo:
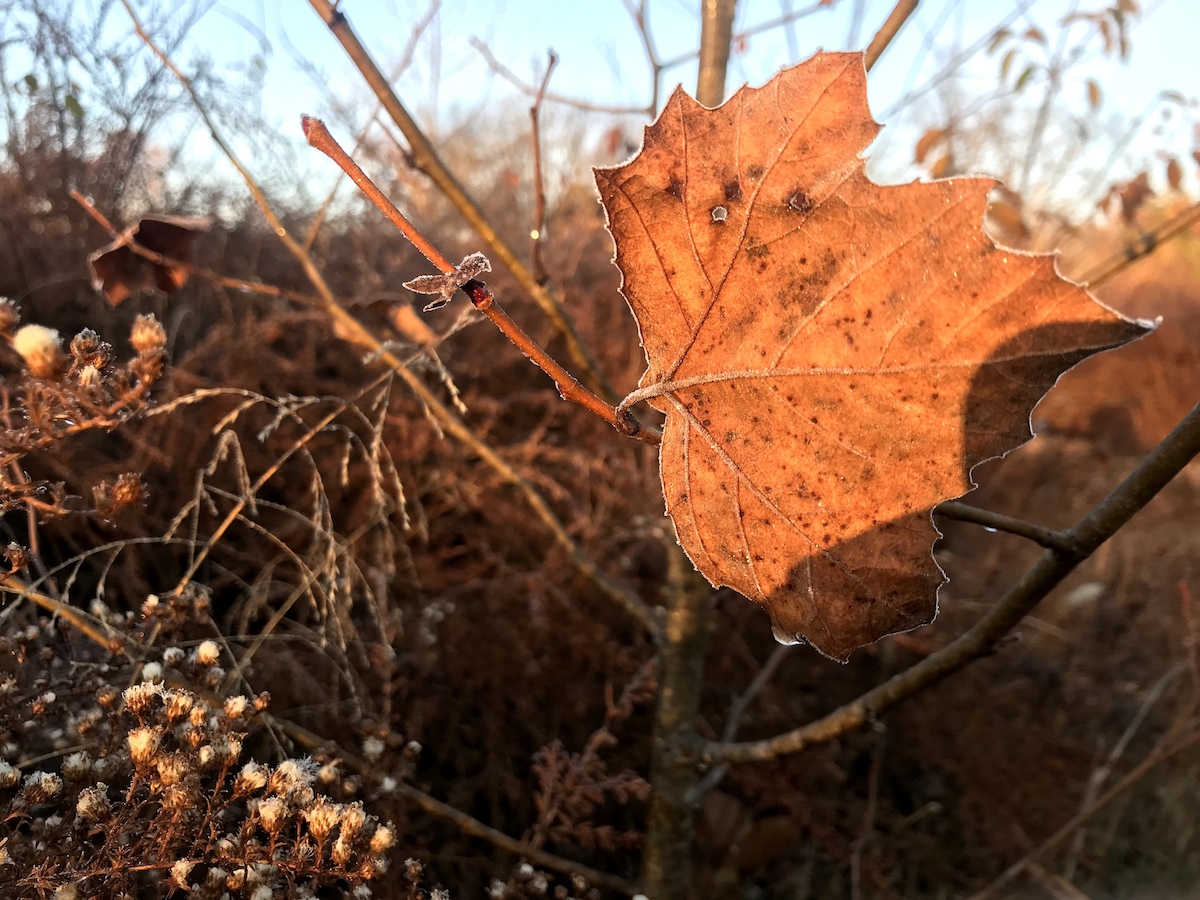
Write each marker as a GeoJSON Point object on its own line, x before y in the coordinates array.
{"type": "Point", "coordinates": [1151, 476]}
{"type": "Point", "coordinates": [406, 58]}
{"type": "Point", "coordinates": [425, 159]}
{"type": "Point", "coordinates": [353, 331]}
{"type": "Point", "coordinates": [888, 31]}
{"type": "Point", "coordinates": [539, 182]}
{"type": "Point", "coordinates": [963, 512]}
{"type": "Point", "coordinates": [532, 90]}
{"type": "Point", "coordinates": [734, 721]}
{"type": "Point", "coordinates": [786, 18]}
{"type": "Point", "coordinates": [1149, 242]}
{"type": "Point", "coordinates": [1100, 773]}
{"type": "Point", "coordinates": [568, 386]}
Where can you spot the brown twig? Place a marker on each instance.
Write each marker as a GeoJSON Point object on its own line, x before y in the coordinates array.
{"type": "Point", "coordinates": [425, 159]}
{"type": "Point", "coordinates": [398, 69]}
{"type": "Point", "coordinates": [568, 386]}
{"type": "Point", "coordinates": [539, 184]}
{"type": "Point", "coordinates": [1151, 476]}
{"type": "Point", "coordinates": [1150, 241]}
{"type": "Point", "coordinates": [888, 31]}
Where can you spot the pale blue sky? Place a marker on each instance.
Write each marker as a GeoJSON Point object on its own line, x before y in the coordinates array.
{"type": "Point", "coordinates": [601, 58]}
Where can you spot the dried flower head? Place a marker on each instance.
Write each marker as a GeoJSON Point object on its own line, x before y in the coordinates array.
{"type": "Point", "coordinates": [40, 787]}
{"type": "Point", "coordinates": [208, 653]}
{"type": "Point", "coordinates": [88, 349]}
{"type": "Point", "coordinates": [272, 813]}
{"type": "Point", "coordinates": [179, 873]}
{"type": "Point", "coordinates": [177, 705]}
{"type": "Point", "coordinates": [292, 775]}
{"type": "Point", "coordinates": [10, 775]}
{"type": "Point", "coordinates": [143, 744]}
{"type": "Point", "coordinates": [353, 819]}
{"type": "Point", "coordinates": [147, 335]}
{"type": "Point", "coordinates": [342, 851]}
{"type": "Point", "coordinates": [372, 748]}
{"type": "Point", "coordinates": [139, 699]}
{"type": "Point", "coordinates": [172, 657]}
{"type": "Point", "coordinates": [322, 817]}
{"type": "Point", "coordinates": [77, 766]}
{"type": "Point", "coordinates": [172, 768]}
{"type": "Point", "coordinates": [383, 839]}
{"type": "Point", "coordinates": [252, 777]}
{"type": "Point", "coordinates": [40, 348]}
{"type": "Point", "coordinates": [235, 707]}
{"type": "Point", "coordinates": [92, 803]}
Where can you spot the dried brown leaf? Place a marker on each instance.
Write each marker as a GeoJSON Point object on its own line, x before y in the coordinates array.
{"type": "Point", "coordinates": [1094, 95]}
{"type": "Point", "coordinates": [833, 357]}
{"type": "Point", "coordinates": [928, 141]}
{"type": "Point", "coordinates": [168, 241]}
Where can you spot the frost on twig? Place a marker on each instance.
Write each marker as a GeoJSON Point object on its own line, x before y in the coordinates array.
{"type": "Point", "coordinates": [446, 284]}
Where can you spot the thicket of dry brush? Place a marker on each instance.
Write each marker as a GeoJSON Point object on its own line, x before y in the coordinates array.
{"type": "Point", "coordinates": [436, 660]}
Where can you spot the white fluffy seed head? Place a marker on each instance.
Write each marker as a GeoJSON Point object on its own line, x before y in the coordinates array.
{"type": "Point", "coordinates": [41, 348]}
{"type": "Point", "coordinates": [208, 653]}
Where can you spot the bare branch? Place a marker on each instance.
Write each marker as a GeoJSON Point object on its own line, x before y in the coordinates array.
{"type": "Point", "coordinates": [532, 90]}
{"type": "Point", "coordinates": [1156, 470]}
{"type": "Point", "coordinates": [888, 31]}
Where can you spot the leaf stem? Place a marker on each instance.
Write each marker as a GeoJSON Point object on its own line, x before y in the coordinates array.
{"type": "Point", "coordinates": [963, 512]}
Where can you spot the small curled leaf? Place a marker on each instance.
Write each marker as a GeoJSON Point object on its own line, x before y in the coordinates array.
{"type": "Point", "coordinates": [445, 285]}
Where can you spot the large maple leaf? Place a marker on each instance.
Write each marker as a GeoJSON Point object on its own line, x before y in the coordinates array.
{"type": "Point", "coordinates": [833, 356]}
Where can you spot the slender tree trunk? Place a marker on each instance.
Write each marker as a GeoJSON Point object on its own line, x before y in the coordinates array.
{"type": "Point", "coordinates": [671, 818]}
{"type": "Point", "coordinates": [716, 32]}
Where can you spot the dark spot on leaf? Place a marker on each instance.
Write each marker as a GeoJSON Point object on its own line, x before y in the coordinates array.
{"type": "Point", "coordinates": [675, 188]}
{"type": "Point", "coordinates": [800, 202]}
{"type": "Point", "coordinates": [756, 249]}
{"type": "Point", "coordinates": [754, 172]}
{"type": "Point", "coordinates": [733, 190]}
